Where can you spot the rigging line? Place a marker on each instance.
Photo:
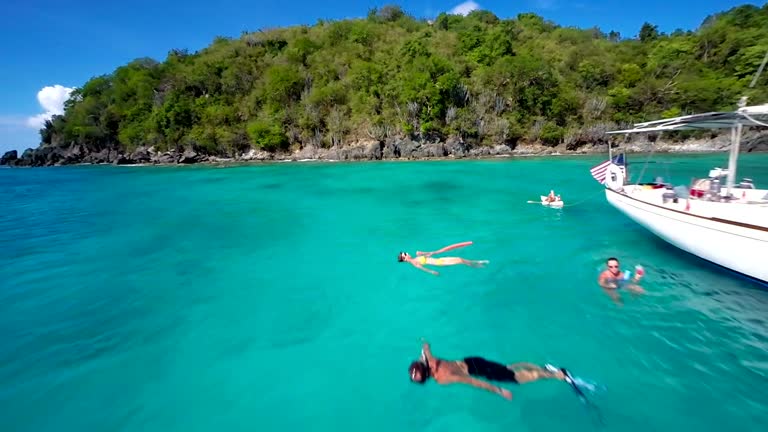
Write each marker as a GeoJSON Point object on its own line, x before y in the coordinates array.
{"type": "Point", "coordinates": [753, 120]}
{"type": "Point", "coordinates": [759, 71]}
{"type": "Point", "coordinates": [645, 165]}
{"type": "Point", "coordinates": [585, 199]}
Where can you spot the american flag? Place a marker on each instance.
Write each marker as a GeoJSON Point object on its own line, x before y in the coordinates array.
{"type": "Point", "coordinates": [598, 171]}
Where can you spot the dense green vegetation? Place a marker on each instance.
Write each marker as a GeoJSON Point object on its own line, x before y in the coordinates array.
{"type": "Point", "coordinates": [486, 79]}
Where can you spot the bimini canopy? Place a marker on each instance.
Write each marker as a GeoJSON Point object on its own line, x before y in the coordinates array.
{"type": "Point", "coordinates": [748, 116]}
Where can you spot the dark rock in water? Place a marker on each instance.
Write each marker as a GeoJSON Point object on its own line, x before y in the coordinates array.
{"type": "Point", "coordinates": [190, 157]}
{"type": "Point", "coordinates": [369, 150]}
{"type": "Point", "coordinates": [501, 150]}
{"type": "Point", "coordinates": [165, 158]}
{"type": "Point", "coordinates": [26, 158]}
{"type": "Point", "coordinates": [122, 160]}
{"type": "Point", "coordinates": [758, 143]}
{"type": "Point", "coordinates": [480, 152]}
{"type": "Point", "coordinates": [498, 150]}
{"type": "Point", "coordinates": [259, 155]}
{"type": "Point", "coordinates": [374, 150]}
{"type": "Point", "coordinates": [75, 153]}
{"type": "Point", "coordinates": [9, 158]}
{"type": "Point", "coordinates": [409, 149]}
{"type": "Point", "coordinates": [309, 152]}
{"type": "Point", "coordinates": [432, 150]}
{"type": "Point", "coordinates": [43, 156]}
{"type": "Point", "coordinates": [103, 156]}
{"type": "Point", "coordinates": [456, 147]}
{"type": "Point", "coordinates": [364, 151]}
{"type": "Point", "coordinates": [391, 149]}
{"type": "Point", "coordinates": [140, 155]}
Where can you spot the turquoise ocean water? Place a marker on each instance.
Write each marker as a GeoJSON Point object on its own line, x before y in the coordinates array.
{"type": "Point", "coordinates": [268, 297]}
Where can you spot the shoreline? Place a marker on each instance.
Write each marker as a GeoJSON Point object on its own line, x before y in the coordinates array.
{"type": "Point", "coordinates": [396, 149]}
{"type": "Point", "coordinates": [232, 162]}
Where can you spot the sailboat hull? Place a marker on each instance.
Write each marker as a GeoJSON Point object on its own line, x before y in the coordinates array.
{"type": "Point", "coordinates": [734, 245]}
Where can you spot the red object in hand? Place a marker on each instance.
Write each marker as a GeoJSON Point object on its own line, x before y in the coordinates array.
{"type": "Point", "coordinates": [639, 270]}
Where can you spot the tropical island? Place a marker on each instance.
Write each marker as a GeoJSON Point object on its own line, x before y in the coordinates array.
{"type": "Point", "coordinates": [392, 86]}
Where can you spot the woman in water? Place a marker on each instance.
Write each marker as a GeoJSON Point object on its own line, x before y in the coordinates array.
{"type": "Point", "coordinates": [425, 258]}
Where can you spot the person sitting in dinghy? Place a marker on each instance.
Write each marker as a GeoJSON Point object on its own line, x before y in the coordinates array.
{"type": "Point", "coordinates": [552, 197]}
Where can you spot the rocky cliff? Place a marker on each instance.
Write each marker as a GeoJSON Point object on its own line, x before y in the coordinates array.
{"type": "Point", "coordinates": [388, 149]}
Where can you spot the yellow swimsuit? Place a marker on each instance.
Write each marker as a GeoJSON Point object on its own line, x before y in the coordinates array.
{"type": "Point", "coordinates": [435, 261]}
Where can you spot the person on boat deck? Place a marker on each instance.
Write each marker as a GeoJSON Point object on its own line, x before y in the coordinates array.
{"type": "Point", "coordinates": [612, 278]}
{"type": "Point", "coordinates": [470, 370]}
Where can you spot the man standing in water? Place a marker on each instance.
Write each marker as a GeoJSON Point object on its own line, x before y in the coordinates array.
{"type": "Point", "coordinates": [470, 369]}
{"type": "Point", "coordinates": [613, 279]}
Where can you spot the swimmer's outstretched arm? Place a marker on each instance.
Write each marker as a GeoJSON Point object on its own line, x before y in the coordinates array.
{"type": "Point", "coordinates": [427, 352]}
{"type": "Point", "coordinates": [426, 349]}
{"type": "Point", "coordinates": [419, 266]}
{"type": "Point", "coordinates": [445, 249]}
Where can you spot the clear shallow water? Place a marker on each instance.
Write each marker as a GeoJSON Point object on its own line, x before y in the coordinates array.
{"type": "Point", "coordinates": [269, 298]}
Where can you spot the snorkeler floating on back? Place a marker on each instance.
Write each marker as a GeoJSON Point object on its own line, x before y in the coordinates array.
{"type": "Point", "coordinates": [425, 258]}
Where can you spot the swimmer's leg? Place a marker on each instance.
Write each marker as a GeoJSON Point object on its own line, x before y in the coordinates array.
{"type": "Point", "coordinates": [613, 295]}
{"type": "Point", "coordinates": [532, 373]}
{"type": "Point", "coordinates": [521, 365]}
{"type": "Point", "coordinates": [478, 263]}
{"type": "Point", "coordinates": [456, 261]}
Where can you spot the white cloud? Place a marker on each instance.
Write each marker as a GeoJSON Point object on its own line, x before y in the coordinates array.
{"type": "Point", "coordinates": [52, 100]}
{"type": "Point", "coordinates": [464, 8]}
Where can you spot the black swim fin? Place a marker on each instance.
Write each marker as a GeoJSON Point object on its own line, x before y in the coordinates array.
{"type": "Point", "coordinates": [569, 379]}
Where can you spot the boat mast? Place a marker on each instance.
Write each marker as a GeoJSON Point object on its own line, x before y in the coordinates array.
{"type": "Point", "coordinates": [736, 133]}
{"type": "Point", "coordinates": [734, 156]}
{"type": "Point", "coordinates": [610, 158]}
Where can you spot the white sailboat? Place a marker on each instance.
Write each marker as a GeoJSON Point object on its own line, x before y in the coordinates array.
{"type": "Point", "coordinates": [714, 218]}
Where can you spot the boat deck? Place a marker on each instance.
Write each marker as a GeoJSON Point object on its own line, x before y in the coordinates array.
{"type": "Point", "coordinates": [751, 207]}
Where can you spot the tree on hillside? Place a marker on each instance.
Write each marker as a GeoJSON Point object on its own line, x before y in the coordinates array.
{"type": "Point", "coordinates": [485, 79]}
{"type": "Point", "coordinates": [648, 32]}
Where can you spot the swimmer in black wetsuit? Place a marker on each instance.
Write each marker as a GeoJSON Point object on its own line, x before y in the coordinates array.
{"type": "Point", "coordinates": [468, 370]}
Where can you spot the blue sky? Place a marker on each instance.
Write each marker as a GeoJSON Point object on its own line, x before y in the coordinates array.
{"type": "Point", "coordinates": [49, 46]}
